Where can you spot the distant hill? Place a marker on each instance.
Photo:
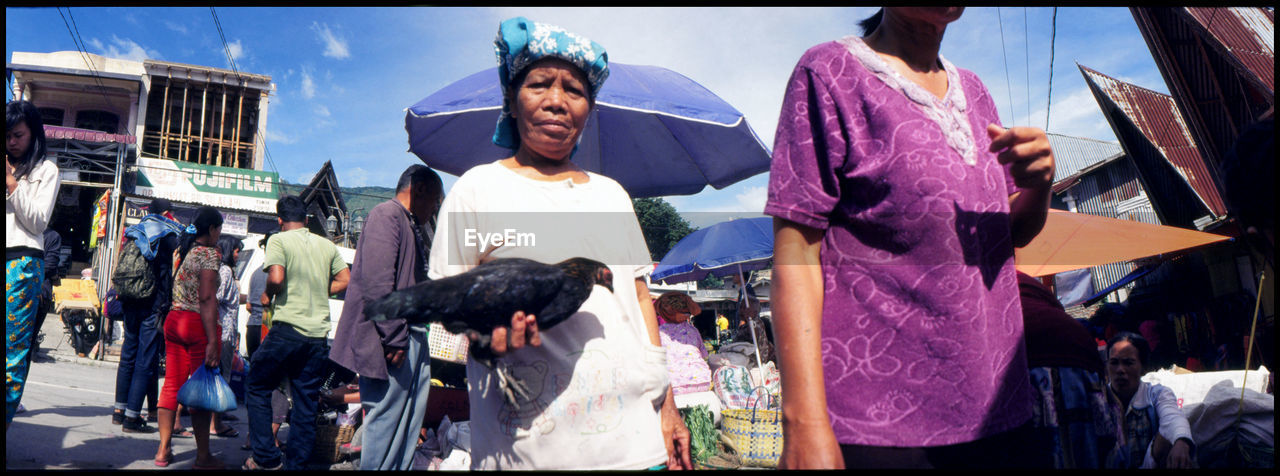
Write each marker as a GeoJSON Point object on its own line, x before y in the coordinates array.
{"type": "Point", "coordinates": [362, 199]}
{"type": "Point", "coordinates": [359, 199]}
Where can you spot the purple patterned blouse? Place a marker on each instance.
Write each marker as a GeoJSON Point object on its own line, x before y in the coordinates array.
{"type": "Point", "coordinates": [921, 328]}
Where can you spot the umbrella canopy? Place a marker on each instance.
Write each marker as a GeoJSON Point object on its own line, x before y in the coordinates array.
{"type": "Point", "coordinates": [653, 130]}
{"type": "Point", "coordinates": [720, 250]}
{"type": "Point", "coordinates": [1076, 240]}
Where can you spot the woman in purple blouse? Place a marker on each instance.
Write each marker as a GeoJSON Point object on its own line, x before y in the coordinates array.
{"type": "Point", "coordinates": [898, 200]}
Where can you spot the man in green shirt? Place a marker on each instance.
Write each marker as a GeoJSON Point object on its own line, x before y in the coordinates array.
{"type": "Point", "coordinates": [303, 270]}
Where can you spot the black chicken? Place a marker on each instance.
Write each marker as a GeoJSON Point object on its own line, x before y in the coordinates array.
{"type": "Point", "coordinates": [477, 301]}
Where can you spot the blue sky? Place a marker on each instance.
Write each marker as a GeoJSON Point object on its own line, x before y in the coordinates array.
{"type": "Point", "coordinates": [345, 75]}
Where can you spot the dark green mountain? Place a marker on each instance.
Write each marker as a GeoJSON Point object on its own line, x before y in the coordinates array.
{"type": "Point", "coordinates": [359, 199]}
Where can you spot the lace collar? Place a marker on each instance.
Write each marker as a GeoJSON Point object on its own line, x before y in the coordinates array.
{"type": "Point", "coordinates": [948, 112]}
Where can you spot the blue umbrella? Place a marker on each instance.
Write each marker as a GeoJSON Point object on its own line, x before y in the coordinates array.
{"type": "Point", "coordinates": [720, 250]}
{"type": "Point", "coordinates": [653, 130]}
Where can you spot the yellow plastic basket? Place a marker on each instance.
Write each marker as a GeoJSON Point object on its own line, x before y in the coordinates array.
{"type": "Point", "coordinates": [756, 434]}
{"type": "Point", "coordinates": [445, 346]}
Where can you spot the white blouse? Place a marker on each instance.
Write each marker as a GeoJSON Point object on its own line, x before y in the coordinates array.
{"type": "Point", "coordinates": [29, 208]}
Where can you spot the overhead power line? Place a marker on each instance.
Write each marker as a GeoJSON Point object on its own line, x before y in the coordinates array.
{"type": "Point", "coordinates": [1005, 56]}
{"type": "Point", "coordinates": [231, 60]}
{"type": "Point", "coordinates": [1053, 34]}
{"type": "Point", "coordinates": [84, 55]}
{"type": "Point", "coordinates": [1026, 49]}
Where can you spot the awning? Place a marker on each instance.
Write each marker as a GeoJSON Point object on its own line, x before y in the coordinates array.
{"type": "Point", "coordinates": [1076, 240]}
{"type": "Point", "coordinates": [59, 132]}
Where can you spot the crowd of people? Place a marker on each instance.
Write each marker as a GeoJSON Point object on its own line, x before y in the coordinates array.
{"type": "Point", "coordinates": [904, 336]}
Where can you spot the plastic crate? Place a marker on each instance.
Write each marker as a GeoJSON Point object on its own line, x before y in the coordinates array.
{"type": "Point", "coordinates": [445, 346]}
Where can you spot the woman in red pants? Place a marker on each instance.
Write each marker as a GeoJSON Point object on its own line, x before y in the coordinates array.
{"type": "Point", "coordinates": [191, 332]}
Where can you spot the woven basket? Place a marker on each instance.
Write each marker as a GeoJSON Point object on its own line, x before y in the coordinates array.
{"type": "Point", "coordinates": [445, 346]}
{"type": "Point", "coordinates": [329, 439]}
{"type": "Point", "coordinates": [756, 434]}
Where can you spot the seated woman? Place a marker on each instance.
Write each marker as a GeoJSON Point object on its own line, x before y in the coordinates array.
{"type": "Point", "coordinates": [686, 354]}
{"type": "Point", "coordinates": [1152, 418]}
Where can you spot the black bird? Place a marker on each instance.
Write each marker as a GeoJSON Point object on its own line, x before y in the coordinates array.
{"type": "Point", "coordinates": [477, 301]}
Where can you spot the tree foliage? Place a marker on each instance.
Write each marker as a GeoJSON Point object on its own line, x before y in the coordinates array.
{"type": "Point", "coordinates": [662, 226]}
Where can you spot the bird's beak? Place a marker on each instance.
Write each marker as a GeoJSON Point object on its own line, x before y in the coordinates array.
{"type": "Point", "coordinates": [604, 277]}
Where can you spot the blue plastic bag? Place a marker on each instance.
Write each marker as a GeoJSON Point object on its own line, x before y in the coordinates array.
{"type": "Point", "coordinates": [206, 390]}
{"type": "Point", "coordinates": [239, 373]}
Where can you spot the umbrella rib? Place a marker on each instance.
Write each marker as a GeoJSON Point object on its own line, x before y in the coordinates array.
{"type": "Point", "coordinates": [447, 113]}
{"type": "Point", "coordinates": [684, 118]}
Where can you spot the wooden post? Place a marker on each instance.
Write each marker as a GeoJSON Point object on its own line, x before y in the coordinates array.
{"type": "Point", "coordinates": [201, 156]}
{"type": "Point", "coordinates": [239, 112]}
{"type": "Point", "coordinates": [185, 146]}
{"type": "Point", "coordinates": [222, 119]}
{"type": "Point", "coordinates": [164, 120]}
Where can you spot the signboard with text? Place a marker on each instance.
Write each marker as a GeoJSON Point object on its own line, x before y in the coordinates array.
{"type": "Point", "coordinates": [219, 187]}
{"type": "Point", "coordinates": [235, 224]}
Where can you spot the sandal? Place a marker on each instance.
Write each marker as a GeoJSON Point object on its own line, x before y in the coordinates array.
{"type": "Point", "coordinates": [251, 465]}
{"type": "Point", "coordinates": [182, 433]}
{"type": "Point", "coordinates": [161, 463]}
{"type": "Point", "coordinates": [228, 432]}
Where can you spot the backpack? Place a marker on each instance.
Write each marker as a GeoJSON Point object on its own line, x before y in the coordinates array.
{"type": "Point", "coordinates": [133, 278]}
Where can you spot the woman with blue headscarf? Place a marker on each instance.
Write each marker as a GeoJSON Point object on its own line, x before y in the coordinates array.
{"type": "Point", "coordinates": [599, 397]}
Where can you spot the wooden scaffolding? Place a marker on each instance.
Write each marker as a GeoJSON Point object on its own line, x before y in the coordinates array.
{"type": "Point", "coordinates": [202, 122]}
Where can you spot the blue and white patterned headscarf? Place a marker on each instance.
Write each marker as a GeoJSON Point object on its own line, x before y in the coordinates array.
{"type": "Point", "coordinates": [521, 42]}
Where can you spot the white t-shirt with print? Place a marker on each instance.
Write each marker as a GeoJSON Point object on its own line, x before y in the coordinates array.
{"type": "Point", "coordinates": [596, 382]}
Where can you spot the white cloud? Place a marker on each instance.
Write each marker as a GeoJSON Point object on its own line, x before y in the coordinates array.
{"type": "Point", "coordinates": [321, 110]}
{"type": "Point", "coordinates": [237, 50]}
{"type": "Point", "coordinates": [305, 178]}
{"type": "Point", "coordinates": [122, 48]}
{"type": "Point", "coordinates": [333, 85]}
{"type": "Point", "coordinates": [334, 47]}
{"type": "Point", "coordinates": [178, 27]}
{"type": "Point", "coordinates": [308, 85]}
{"type": "Point", "coordinates": [1076, 113]}
{"type": "Point", "coordinates": [753, 199]}
{"type": "Point", "coordinates": [274, 136]}
{"type": "Point", "coordinates": [354, 177]}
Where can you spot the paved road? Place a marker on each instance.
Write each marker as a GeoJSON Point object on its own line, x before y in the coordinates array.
{"type": "Point", "coordinates": [67, 424]}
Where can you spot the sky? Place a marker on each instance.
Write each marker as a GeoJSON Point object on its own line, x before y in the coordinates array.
{"type": "Point", "coordinates": [344, 76]}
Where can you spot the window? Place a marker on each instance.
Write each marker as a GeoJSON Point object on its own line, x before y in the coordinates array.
{"type": "Point", "coordinates": [51, 116]}
{"type": "Point", "coordinates": [245, 255]}
{"type": "Point", "coordinates": [98, 121]}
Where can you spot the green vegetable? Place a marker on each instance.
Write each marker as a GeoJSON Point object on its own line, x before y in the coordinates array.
{"type": "Point", "coordinates": [702, 432]}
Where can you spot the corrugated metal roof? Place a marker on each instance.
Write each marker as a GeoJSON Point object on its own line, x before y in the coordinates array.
{"type": "Point", "coordinates": [1072, 154]}
{"type": "Point", "coordinates": [1156, 115]}
{"type": "Point", "coordinates": [1248, 33]}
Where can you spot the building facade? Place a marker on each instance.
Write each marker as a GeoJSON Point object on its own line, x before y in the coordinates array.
{"type": "Point", "coordinates": [123, 132]}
